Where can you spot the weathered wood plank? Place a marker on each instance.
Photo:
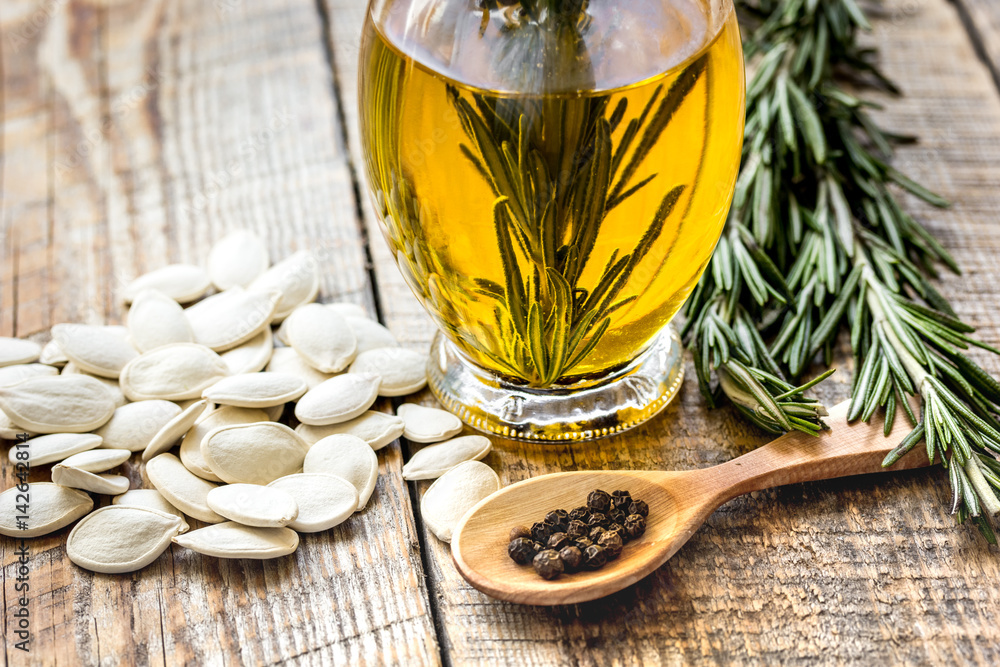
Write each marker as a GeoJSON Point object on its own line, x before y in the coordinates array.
{"type": "Point", "coordinates": [135, 134]}
{"type": "Point", "coordinates": [983, 19]}
{"type": "Point", "coordinates": [860, 570]}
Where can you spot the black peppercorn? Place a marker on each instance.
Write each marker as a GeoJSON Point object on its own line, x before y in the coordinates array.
{"type": "Point", "coordinates": [557, 517]}
{"type": "Point", "coordinates": [621, 499]}
{"type": "Point", "coordinates": [620, 529]}
{"type": "Point", "coordinates": [635, 526]}
{"type": "Point", "coordinates": [594, 557]}
{"type": "Point", "coordinates": [571, 557]}
{"type": "Point", "coordinates": [597, 519]}
{"type": "Point", "coordinates": [547, 564]}
{"type": "Point", "coordinates": [557, 541]}
{"type": "Point", "coordinates": [616, 516]}
{"type": "Point", "coordinates": [519, 531]}
{"type": "Point", "coordinates": [521, 550]}
{"type": "Point", "coordinates": [540, 531]}
{"type": "Point", "coordinates": [580, 514]}
{"type": "Point", "coordinates": [582, 542]}
{"type": "Point", "coordinates": [577, 529]}
{"type": "Point", "coordinates": [639, 507]}
{"type": "Point", "coordinates": [612, 543]}
{"type": "Point", "coordinates": [595, 532]}
{"type": "Point", "coordinates": [599, 501]}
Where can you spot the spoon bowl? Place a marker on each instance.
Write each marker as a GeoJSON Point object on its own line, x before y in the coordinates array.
{"type": "Point", "coordinates": [679, 502]}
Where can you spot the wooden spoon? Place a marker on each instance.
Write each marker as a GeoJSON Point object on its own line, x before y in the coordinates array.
{"type": "Point", "coordinates": [679, 502]}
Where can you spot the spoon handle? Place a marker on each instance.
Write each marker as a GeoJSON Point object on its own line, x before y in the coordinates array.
{"type": "Point", "coordinates": [846, 449]}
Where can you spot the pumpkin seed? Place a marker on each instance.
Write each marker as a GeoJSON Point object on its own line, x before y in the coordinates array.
{"type": "Point", "coordinates": [150, 499]}
{"type": "Point", "coordinates": [99, 350]}
{"type": "Point", "coordinates": [172, 431]}
{"type": "Point", "coordinates": [376, 428]}
{"type": "Point", "coordinates": [61, 404]}
{"type": "Point", "coordinates": [256, 390]}
{"type": "Point", "coordinates": [324, 501]}
{"type": "Point", "coordinates": [370, 334]}
{"type": "Point", "coordinates": [338, 400]}
{"type": "Point", "coordinates": [115, 389]}
{"type": "Point", "coordinates": [181, 282]}
{"type": "Point", "coordinates": [191, 444]}
{"type": "Point", "coordinates": [52, 355]}
{"type": "Point", "coordinates": [97, 460]}
{"type": "Point", "coordinates": [254, 505]}
{"type": "Point", "coordinates": [345, 456]}
{"type": "Point", "coordinates": [322, 339]}
{"type": "Point", "coordinates": [287, 360]}
{"type": "Point", "coordinates": [253, 453]}
{"type": "Point", "coordinates": [10, 431]}
{"type": "Point", "coordinates": [155, 319]}
{"type": "Point", "coordinates": [52, 507]}
{"type": "Point", "coordinates": [455, 493]}
{"type": "Point", "coordinates": [48, 448]}
{"type": "Point", "coordinates": [132, 426]}
{"type": "Point", "coordinates": [227, 319]}
{"type": "Point", "coordinates": [118, 538]}
{"type": "Point", "coordinates": [11, 375]}
{"type": "Point", "coordinates": [172, 372]}
{"type": "Point", "coordinates": [81, 479]}
{"type": "Point", "coordinates": [296, 278]}
{"type": "Point", "coordinates": [428, 424]}
{"type": "Point", "coordinates": [182, 488]}
{"type": "Point", "coordinates": [232, 540]}
{"type": "Point", "coordinates": [436, 460]}
{"type": "Point", "coordinates": [347, 310]}
{"type": "Point", "coordinates": [236, 259]}
{"type": "Point", "coordinates": [402, 371]}
{"type": "Point", "coordinates": [18, 351]}
{"type": "Point", "coordinates": [275, 412]}
{"type": "Point", "coordinates": [252, 356]}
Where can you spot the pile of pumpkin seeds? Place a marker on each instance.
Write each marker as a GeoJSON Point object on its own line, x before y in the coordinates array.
{"type": "Point", "coordinates": [200, 383]}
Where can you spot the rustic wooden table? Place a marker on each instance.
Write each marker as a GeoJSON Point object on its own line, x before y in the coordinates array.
{"type": "Point", "coordinates": [135, 132]}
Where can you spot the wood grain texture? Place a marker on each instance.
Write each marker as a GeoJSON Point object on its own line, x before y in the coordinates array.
{"type": "Point", "coordinates": [866, 570]}
{"type": "Point", "coordinates": [135, 134]}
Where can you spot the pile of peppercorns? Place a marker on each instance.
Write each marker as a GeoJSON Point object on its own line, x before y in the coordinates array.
{"type": "Point", "coordinates": [585, 539]}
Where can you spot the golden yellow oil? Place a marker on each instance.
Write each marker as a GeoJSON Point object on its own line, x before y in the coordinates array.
{"type": "Point", "coordinates": [498, 236]}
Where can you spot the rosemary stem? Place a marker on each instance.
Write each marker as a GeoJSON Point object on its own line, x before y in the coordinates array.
{"type": "Point", "coordinates": [986, 494]}
{"type": "Point", "coordinates": [874, 296]}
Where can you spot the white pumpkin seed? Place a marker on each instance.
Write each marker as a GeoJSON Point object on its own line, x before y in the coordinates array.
{"type": "Point", "coordinates": [252, 356]}
{"type": "Point", "coordinates": [10, 431]}
{"type": "Point", "coordinates": [181, 282]}
{"type": "Point", "coordinates": [275, 412]}
{"type": "Point", "coordinates": [254, 505]}
{"type": "Point", "coordinates": [53, 355]}
{"type": "Point", "coordinates": [253, 453]}
{"type": "Point", "coordinates": [61, 404]}
{"type": "Point", "coordinates": [348, 310]}
{"type": "Point", "coordinates": [97, 460]}
{"type": "Point", "coordinates": [232, 540]}
{"type": "Point", "coordinates": [172, 431]}
{"type": "Point", "coordinates": [236, 259]}
{"type": "Point", "coordinates": [428, 424]}
{"type": "Point", "coordinates": [338, 400]}
{"type": "Point", "coordinates": [225, 416]}
{"type": "Point", "coordinates": [155, 319]}
{"type": "Point", "coordinates": [376, 428]}
{"type": "Point", "coordinates": [287, 360]}
{"type": "Point", "coordinates": [256, 390]}
{"type": "Point", "coordinates": [227, 319]}
{"type": "Point", "coordinates": [132, 426]}
{"type": "Point", "coordinates": [81, 479]}
{"type": "Point", "coordinates": [322, 339]}
{"type": "Point", "coordinates": [402, 371]}
{"type": "Point", "coordinates": [435, 460]}
{"type": "Point", "coordinates": [324, 501]}
{"type": "Point", "coordinates": [182, 488]}
{"type": "Point", "coordinates": [98, 350]}
{"type": "Point", "coordinates": [117, 538]}
{"type": "Point", "coordinates": [370, 334]}
{"type": "Point", "coordinates": [150, 499]}
{"type": "Point", "coordinates": [455, 493]}
{"type": "Point", "coordinates": [18, 351]}
{"type": "Point", "coordinates": [345, 456]}
{"type": "Point", "coordinates": [172, 372]}
{"type": "Point", "coordinates": [11, 375]}
{"type": "Point", "coordinates": [52, 507]}
{"type": "Point", "coordinates": [115, 389]}
{"type": "Point", "coordinates": [55, 447]}
{"type": "Point", "coordinates": [296, 278]}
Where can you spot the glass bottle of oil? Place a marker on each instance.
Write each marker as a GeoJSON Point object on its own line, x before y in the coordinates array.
{"type": "Point", "coordinates": [552, 176]}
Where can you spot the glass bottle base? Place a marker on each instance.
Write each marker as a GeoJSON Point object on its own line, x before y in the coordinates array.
{"type": "Point", "coordinates": [611, 405]}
